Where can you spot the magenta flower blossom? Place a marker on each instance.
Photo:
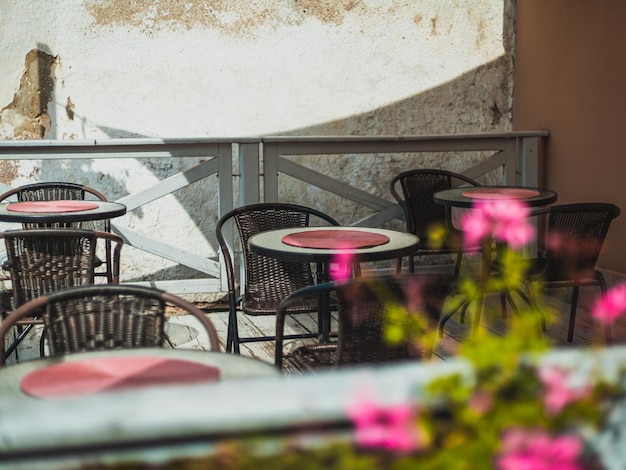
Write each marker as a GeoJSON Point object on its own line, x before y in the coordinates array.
{"type": "Point", "coordinates": [392, 428]}
{"type": "Point", "coordinates": [503, 219]}
{"type": "Point", "coordinates": [537, 450]}
{"type": "Point", "coordinates": [341, 266]}
{"type": "Point", "coordinates": [558, 391]}
{"type": "Point", "coordinates": [611, 305]}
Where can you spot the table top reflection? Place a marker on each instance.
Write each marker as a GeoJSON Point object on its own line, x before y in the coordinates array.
{"type": "Point", "coordinates": [468, 197]}
{"type": "Point", "coordinates": [227, 366]}
{"type": "Point", "coordinates": [271, 244]}
{"type": "Point", "coordinates": [103, 210]}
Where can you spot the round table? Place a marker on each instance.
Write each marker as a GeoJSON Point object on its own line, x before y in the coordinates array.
{"type": "Point", "coordinates": [105, 210]}
{"type": "Point", "coordinates": [271, 244]}
{"type": "Point", "coordinates": [461, 197]}
{"type": "Point", "coordinates": [468, 197]}
{"type": "Point", "coordinates": [230, 365]}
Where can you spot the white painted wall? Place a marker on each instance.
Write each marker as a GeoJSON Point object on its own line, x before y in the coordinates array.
{"type": "Point", "coordinates": [166, 68]}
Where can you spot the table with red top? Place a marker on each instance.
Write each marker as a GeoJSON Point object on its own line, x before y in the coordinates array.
{"type": "Point", "coordinates": [88, 373]}
{"type": "Point", "coordinates": [468, 197]}
{"type": "Point", "coordinates": [326, 245]}
{"type": "Point", "coordinates": [61, 211]}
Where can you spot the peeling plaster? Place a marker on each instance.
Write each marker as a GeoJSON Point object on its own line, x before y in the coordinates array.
{"type": "Point", "coordinates": [9, 170]}
{"type": "Point", "coordinates": [237, 18]}
{"type": "Point", "coordinates": [26, 117]}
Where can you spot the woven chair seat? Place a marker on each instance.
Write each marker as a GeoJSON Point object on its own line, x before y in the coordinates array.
{"type": "Point", "coordinates": [41, 261]}
{"type": "Point", "coordinates": [363, 313]}
{"type": "Point", "coordinates": [580, 230]}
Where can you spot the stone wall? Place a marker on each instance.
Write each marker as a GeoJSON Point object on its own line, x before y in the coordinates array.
{"type": "Point", "coordinates": [94, 69]}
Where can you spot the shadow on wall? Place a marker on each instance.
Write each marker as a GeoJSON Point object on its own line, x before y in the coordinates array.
{"type": "Point", "coordinates": [477, 101]}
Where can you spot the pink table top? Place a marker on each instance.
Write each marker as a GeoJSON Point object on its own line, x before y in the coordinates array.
{"type": "Point", "coordinates": [51, 206]}
{"type": "Point", "coordinates": [500, 193]}
{"type": "Point", "coordinates": [90, 376]}
{"type": "Point", "coordinates": [333, 239]}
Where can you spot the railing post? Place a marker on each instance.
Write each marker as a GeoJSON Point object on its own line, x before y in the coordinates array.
{"type": "Point", "coordinates": [529, 161]}
{"type": "Point", "coordinates": [270, 171]}
{"type": "Point", "coordinates": [249, 164]}
{"type": "Point", "coordinates": [225, 198]}
{"type": "Point", "coordinates": [511, 168]}
{"type": "Point", "coordinates": [529, 165]}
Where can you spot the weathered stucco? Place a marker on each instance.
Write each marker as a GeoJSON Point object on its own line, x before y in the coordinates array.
{"type": "Point", "coordinates": [26, 117]}
{"type": "Point", "coordinates": [237, 18]}
{"type": "Point", "coordinates": [163, 68]}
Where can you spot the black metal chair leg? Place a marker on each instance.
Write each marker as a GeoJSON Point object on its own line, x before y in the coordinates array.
{"type": "Point", "coordinates": [42, 341]}
{"type": "Point", "coordinates": [399, 266]}
{"type": "Point", "coordinates": [463, 304]}
{"type": "Point", "coordinates": [20, 337]}
{"type": "Point", "coordinates": [572, 315]}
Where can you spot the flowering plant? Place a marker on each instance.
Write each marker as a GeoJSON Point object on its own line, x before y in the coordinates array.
{"type": "Point", "coordinates": [516, 412]}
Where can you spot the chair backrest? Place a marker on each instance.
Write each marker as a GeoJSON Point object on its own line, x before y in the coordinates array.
{"type": "Point", "coordinates": [60, 190]}
{"type": "Point", "coordinates": [574, 237]}
{"type": "Point", "coordinates": [375, 309]}
{"type": "Point", "coordinates": [414, 191]}
{"type": "Point", "coordinates": [267, 280]}
{"type": "Point", "coordinates": [55, 191]}
{"type": "Point", "coordinates": [105, 316]}
{"type": "Point", "coordinates": [41, 261]}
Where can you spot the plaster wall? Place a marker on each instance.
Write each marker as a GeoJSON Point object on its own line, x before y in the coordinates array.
{"type": "Point", "coordinates": [93, 69]}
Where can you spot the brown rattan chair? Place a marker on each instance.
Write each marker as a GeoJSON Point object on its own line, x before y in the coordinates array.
{"type": "Point", "coordinates": [58, 190]}
{"type": "Point", "coordinates": [573, 240]}
{"type": "Point", "coordinates": [414, 190]}
{"type": "Point", "coordinates": [408, 303]}
{"type": "Point", "coordinates": [41, 261]}
{"type": "Point", "coordinates": [104, 316]}
{"type": "Point", "coordinates": [267, 281]}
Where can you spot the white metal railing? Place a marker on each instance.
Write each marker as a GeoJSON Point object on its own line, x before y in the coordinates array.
{"type": "Point", "coordinates": [261, 159]}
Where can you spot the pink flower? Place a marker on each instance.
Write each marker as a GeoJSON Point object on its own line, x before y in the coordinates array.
{"type": "Point", "coordinates": [611, 305]}
{"type": "Point", "coordinates": [537, 450]}
{"type": "Point", "coordinates": [558, 392]}
{"type": "Point", "coordinates": [341, 266]}
{"type": "Point", "coordinates": [391, 428]}
{"type": "Point", "coordinates": [502, 219]}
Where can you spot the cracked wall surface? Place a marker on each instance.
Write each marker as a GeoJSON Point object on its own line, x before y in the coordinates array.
{"type": "Point", "coordinates": [26, 117]}
{"type": "Point", "coordinates": [99, 69]}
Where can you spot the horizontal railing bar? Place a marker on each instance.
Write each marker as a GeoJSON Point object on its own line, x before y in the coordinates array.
{"type": "Point", "coordinates": [347, 147]}
{"type": "Point", "coordinates": [391, 138]}
{"type": "Point", "coordinates": [121, 148]}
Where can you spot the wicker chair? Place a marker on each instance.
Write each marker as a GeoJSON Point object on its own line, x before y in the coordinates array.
{"type": "Point", "coordinates": [572, 242]}
{"type": "Point", "coordinates": [366, 306]}
{"type": "Point", "coordinates": [41, 261]}
{"type": "Point", "coordinates": [104, 316]}
{"type": "Point", "coordinates": [414, 192]}
{"type": "Point", "coordinates": [267, 281]}
{"type": "Point", "coordinates": [57, 190]}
